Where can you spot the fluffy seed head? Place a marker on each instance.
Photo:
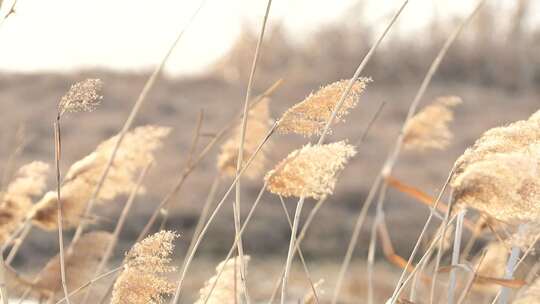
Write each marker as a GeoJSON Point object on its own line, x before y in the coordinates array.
{"type": "Point", "coordinates": [83, 96]}
{"type": "Point", "coordinates": [514, 137]}
{"type": "Point", "coordinates": [16, 202]}
{"type": "Point", "coordinates": [142, 280]}
{"type": "Point", "coordinates": [503, 186]}
{"type": "Point", "coordinates": [428, 129]}
{"type": "Point", "coordinates": [257, 127]}
{"type": "Point", "coordinates": [223, 293]}
{"type": "Point", "coordinates": [310, 171]}
{"type": "Point", "coordinates": [309, 117]}
{"type": "Point", "coordinates": [81, 262]}
{"type": "Point", "coordinates": [135, 152]}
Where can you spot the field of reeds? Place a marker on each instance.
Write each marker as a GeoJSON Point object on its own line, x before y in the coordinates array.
{"type": "Point", "coordinates": [358, 167]}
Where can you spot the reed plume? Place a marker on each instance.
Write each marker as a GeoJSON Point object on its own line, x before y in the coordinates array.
{"type": "Point", "coordinates": [428, 129]}
{"type": "Point", "coordinates": [82, 177]}
{"type": "Point", "coordinates": [142, 280]}
{"type": "Point", "coordinates": [16, 201]}
{"type": "Point", "coordinates": [83, 96]}
{"type": "Point", "coordinates": [258, 125]}
{"type": "Point", "coordinates": [310, 171]}
{"type": "Point", "coordinates": [309, 116]}
{"type": "Point", "coordinates": [514, 137]}
{"type": "Point", "coordinates": [224, 290]}
{"type": "Point", "coordinates": [503, 186]}
{"type": "Point", "coordinates": [80, 263]}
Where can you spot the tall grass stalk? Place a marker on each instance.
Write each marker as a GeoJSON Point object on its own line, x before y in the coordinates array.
{"type": "Point", "coordinates": [237, 209]}
{"type": "Point", "coordinates": [57, 155]}
{"type": "Point", "coordinates": [510, 267]}
{"type": "Point", "coordinates": [292, 241]}
{"type": "Point", "coordinates": [379, 218]}
{"type": "Point", "coordinates": [455, 256]}
{"type": "Point", "coordinates": [3, 285]}
{"type": "Point", "coordinates": [131, 118]}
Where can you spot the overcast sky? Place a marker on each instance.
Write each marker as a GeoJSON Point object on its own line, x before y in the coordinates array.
{"type": "Point", "coordinates": [63, 35]}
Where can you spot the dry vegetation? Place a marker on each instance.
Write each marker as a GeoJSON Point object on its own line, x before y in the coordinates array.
{"type": "Point", "coordinates": [414, 238]}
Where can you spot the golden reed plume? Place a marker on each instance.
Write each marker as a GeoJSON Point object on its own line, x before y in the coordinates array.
{"type": "Point", "coordinates": [428, 129]}
{"type": "Point", "coordinates": [83, 96]}
{"type": "Point", "coordinates": [16, 202]}
{"type": "Point", "coordinates": [258, 125]}
{"type": "Point", "coordinates": [80, 262]}
{"type": "Point", "coordinates": [142, 279]}
{"type": "Point", "coordinates": [499, 175]}
{"type": "Point", "coordinates": [136, 151]}
{"type": "Point", "coordinates": [310, 171]}
{"type": "Point", "coordinates": [309, 116]}
{"type": "Point", "coordinates": [223, 292]}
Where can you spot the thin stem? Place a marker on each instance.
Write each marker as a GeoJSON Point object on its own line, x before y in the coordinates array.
{"type": "Point", "coordinates": [455, 256]}
{"type": "Point", "coordinates": [89, 283]}
{"type": "Point", "coordinates": [60, 220]}
{"type": "Point", "coordinates": [300, 253]}
{"type": "Point", "coordinates": [17, 244]}
{"type": "Point", "coordinates": [129, 121]}
{"type": "Point", "coordinates": [288, 263]}
{"type": "Point", "coordinates": [213, 215]}
{"type": "Point", "coordinates": [236, 239]}
{"type": "Point", "coordinates": [510, 267]}
{"type": "Point", "coordinates": [379, 218]}
{"type": "Point", "coordinates": [237, 208]}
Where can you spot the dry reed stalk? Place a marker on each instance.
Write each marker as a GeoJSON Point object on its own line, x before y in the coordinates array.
{"type": "Point", "coordinates": [224, 290]}
{"type": "Point", "coordinates": [131, 118]}
{"type": "Point", "coordinates": [531, 294]}
{"type": "Point", "coordinates": [3, 286]}
{"type": "Point", "coordinates": [119, 225]}
{"type": "Point", "coordinates": [83, 96]}
{"type": "Point", "coordinates": [301, 255]}
{"type": "Point", "coordinates": [428, 129]}
{"type": "Point", "coordinates": [142, 280]}
{"type": "Point", "coordinates": [213, 215]}
{"type": "Point", "coordinates": [237, 204]}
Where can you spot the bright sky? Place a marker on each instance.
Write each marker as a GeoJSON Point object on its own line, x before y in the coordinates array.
{"type": "Point", "coordinates": [64, 35]}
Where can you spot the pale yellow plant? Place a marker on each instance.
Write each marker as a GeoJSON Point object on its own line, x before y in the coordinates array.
{"type": "Point", "coordinates": [258, 125]}
{"type": "Point", "coordinates": [309, 297]}
{"type": "Point", "coordinates": [310, 171]}
{"type": "Point", "coordinates": [309, 116]}
{"type": "Point", "coordinates": [492, 266]}
{"type": "Point", "coordinates": [17, 199]}
{"type": "Point", "coordinates": [428, 129]}
{"type": "Point", "coordinates": [531, 294]}
{"type": "Point", "coordinates": [82, 177]}
{"type": "Point", "coordinates": [224, 290]}
{"type": "Point", "coordinates": [142, 281]}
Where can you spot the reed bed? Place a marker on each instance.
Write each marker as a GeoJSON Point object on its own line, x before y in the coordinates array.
{"type": "Point", "coordinates": [481, 251]}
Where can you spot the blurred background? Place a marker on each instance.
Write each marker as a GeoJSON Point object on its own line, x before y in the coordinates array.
{"type": "Point", "coordinates": [45, 46]}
